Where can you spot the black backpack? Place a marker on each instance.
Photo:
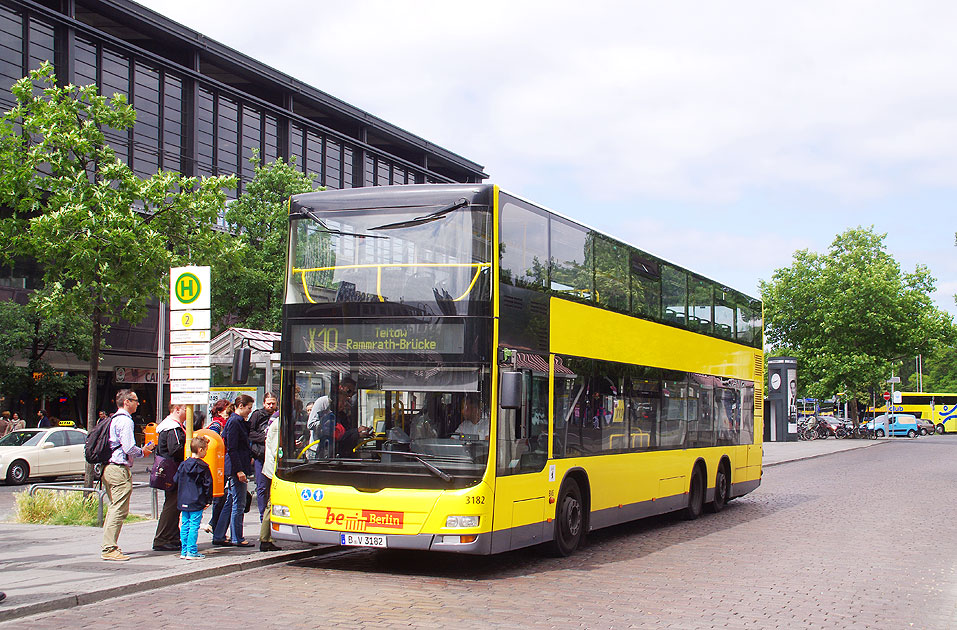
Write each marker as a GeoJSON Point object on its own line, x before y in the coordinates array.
{"type": "Point", "coordinates": [97, 447]}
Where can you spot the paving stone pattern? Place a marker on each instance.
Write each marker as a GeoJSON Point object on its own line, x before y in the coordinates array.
{"type": "Point", "coordinates": [861, 539]}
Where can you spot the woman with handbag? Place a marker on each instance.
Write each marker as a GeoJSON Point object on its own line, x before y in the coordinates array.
{"type": "Point", "coordinates": [170, 447]}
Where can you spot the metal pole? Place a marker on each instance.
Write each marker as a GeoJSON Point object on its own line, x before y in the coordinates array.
{"type": "Point", "coordinates": [160, 361]}
{"type": "Point", "coordinates": [189, 430]}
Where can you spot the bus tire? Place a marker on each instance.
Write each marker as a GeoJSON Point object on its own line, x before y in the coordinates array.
{"type": "Point", "coordinates": [569, 519]}
{"type": "Point", "coordinates": [695, 495]}
{"type": "Point", "coordinates": [721, 490]}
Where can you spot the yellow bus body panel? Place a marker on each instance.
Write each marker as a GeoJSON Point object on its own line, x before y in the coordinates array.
{"type": "Point", "coordinates": [389, 511]}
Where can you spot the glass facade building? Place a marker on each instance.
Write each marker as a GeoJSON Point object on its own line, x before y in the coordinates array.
{"type": "Point", "coordinates": [202, 109]}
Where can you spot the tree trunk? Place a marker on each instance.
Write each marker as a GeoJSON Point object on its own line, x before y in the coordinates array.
{"type": "Point", "coordinates": [91, 384]}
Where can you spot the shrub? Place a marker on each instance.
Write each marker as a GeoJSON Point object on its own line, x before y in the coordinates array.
{"type": "Point", "coordinates": [52, 507]}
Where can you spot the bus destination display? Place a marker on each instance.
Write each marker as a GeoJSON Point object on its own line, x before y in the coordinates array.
{"type": "Point", "coordinates": [371, 338]}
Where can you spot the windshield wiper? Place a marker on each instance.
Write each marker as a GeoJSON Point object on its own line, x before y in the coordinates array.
{"type": "Point", "coordinates": [302, 212]}
{"type": "Point", "coordinates": [428, 218]}
{"type": "Point", "coordinates": [309, 464]}
{"type": "Point", "coordinates": [435, 470]}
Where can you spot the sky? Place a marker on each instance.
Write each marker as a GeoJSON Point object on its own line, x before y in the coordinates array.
{"type": "Point", "coordinates": [720, 136]}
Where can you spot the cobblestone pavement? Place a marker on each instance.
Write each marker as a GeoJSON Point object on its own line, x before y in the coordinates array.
{"type": "Point", "coordinates": [860, 539]}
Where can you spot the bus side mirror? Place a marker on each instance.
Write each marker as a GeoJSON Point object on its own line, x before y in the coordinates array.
{"type": "Point", "coordinates": [510, 393]}
{"type": "Point", "coordinates": [241, 360]}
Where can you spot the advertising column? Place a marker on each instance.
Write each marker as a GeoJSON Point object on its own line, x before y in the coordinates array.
{"type": "Point", "coordinates": [782, 398]}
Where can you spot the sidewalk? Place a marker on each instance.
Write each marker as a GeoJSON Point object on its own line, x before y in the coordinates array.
{"type": "Point", "coordinates": [782, 452]}
{"type": "Point", "coordinates": [45, 568]}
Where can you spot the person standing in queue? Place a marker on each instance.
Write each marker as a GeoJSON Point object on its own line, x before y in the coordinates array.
{"type": "Point", "coordinates": [118, 475]}
{"type": "Point", "coordinates": [221, 410]}
{"type": "Point", "coordinates": [258, 424]}
{"type": "Point", "coordinates": [171, 443]}
{"type": "Point", "coordinates": [43, 420]}
{"type": "Point", "coordinates": [238, 469]}
{"type": "Point", "coordinates": [268, 471]}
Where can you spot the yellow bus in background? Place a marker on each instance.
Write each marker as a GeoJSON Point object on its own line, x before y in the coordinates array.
{"type": "Point", "coordinates": [465, 371]}
{"type": "Point", "coordinates": [939, 408]}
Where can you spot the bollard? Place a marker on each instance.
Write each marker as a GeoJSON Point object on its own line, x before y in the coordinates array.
{"type": "Point", "coordinates": [154, 508]}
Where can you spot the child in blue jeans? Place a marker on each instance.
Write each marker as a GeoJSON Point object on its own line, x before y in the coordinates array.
{"type": "Point", "coordinates": [194, 493]}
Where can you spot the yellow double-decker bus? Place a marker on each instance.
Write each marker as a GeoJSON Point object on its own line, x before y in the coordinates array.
{"type": "Point", "coordinates": [465, 371]}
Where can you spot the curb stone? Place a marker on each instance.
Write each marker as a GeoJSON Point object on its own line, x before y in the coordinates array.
{"type": "Point", "coordinates": [70, 601]}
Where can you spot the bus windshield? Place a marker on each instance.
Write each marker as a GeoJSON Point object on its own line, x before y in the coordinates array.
{"type": "Point", "coordinates": [422, 427]}
{"type": "Point", "coordinates": [438, 255]}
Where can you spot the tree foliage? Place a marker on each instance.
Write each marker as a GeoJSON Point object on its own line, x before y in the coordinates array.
{"type": "Point", "coordinates": [248, 285]}
{"type": "Point", "coordinates": [104, 237]}
{"type": "Point", "coordinates": [31, 334]}
{"type": "Point", "coordinates": [848, 314]}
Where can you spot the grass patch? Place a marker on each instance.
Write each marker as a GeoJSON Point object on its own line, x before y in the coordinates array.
{"type": "Point", "coordinates": [53, 507]}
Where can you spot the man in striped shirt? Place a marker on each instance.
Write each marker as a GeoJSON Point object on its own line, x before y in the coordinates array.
{"type": "Point", "coordinates": [118, 473]}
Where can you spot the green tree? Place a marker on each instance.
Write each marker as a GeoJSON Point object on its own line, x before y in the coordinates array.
{"type": "Point", "coordinates": [939, 371]}
{"type": "Point", "coordinates": [848, 314]}
{"type": "Point", "coordinates": [29, 333]}
{"type": "Point", "coordinates": [249, 284]}
{"type": "Point", "coordinates": [104, 237]}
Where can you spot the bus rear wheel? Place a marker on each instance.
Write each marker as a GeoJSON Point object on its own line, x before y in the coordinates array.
{"type": "Point", "coordinates": [569, 519]}
{"type": "Point", "coordinates": [695, 495]}
{"type": "Point", "coordinates": [721, 491]}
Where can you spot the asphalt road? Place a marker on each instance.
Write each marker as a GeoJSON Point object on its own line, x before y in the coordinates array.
{"type": "Point", "coordinates": [859, 539]}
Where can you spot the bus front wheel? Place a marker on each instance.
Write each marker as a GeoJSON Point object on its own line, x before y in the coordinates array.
{"type": "Point", "coordinates": [569, 519]}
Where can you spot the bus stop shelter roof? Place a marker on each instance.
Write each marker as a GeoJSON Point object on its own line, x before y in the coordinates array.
{"type": "Point", "coordinates": [260, 341]}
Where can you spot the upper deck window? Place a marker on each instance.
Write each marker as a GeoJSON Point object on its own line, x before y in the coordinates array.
{"type": "Point", "coordinates": [434, 257]}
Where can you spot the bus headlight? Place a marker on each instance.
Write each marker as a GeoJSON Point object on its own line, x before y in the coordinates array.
{"type": "Point", "coordinates": [456, 522]}
{"type": "Point", "coordinates": [280, 510]}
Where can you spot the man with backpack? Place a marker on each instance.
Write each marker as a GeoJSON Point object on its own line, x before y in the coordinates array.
{"type": "Point", "coordinates": [117, 474]}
